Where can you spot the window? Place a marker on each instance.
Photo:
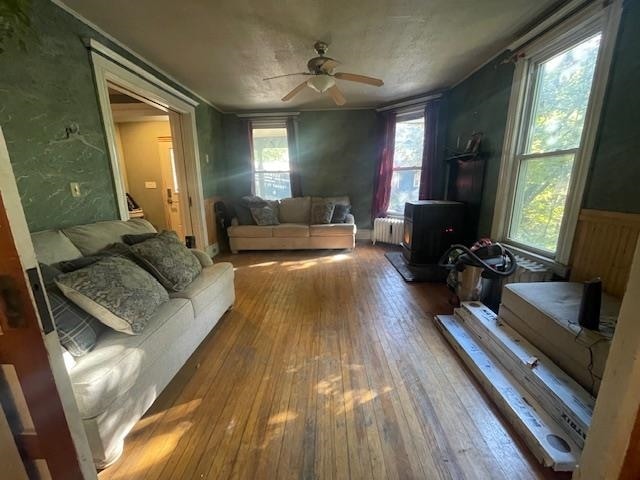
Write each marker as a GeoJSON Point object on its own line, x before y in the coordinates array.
{"type": "Point", "coordinates": [407, 161]}
{"type": "Point", "coordinates": [558, 89]}
{"type": "Point", "coordinates": [270, 162]}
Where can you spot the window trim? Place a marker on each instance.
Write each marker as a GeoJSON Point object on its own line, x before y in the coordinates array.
{"type": "Point", "coordinates": [595, 17]}
{"type": "Point", "coordinates": [265, 124]}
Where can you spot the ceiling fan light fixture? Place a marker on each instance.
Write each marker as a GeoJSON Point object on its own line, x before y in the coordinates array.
{"type": "Point", "coordinates": [321, 83]}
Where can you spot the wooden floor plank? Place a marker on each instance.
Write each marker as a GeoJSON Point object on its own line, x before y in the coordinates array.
{"type": "Point", "coordinates": [329, 367]}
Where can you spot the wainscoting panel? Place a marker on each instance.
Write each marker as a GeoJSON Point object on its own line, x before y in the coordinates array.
{"type": "Point", "coordinates": [603, 247]}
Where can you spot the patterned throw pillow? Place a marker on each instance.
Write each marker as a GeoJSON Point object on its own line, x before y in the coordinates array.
{"type": "Point", "coordinates": [321, 212]}
{"type": "Point", "coordinates": [168, 260]}
{"type": "Point", "coordinates": [116, 291]}
{"type": "Point", "coordinates": [77, 330]}
{"type": "Point", "coordinates": [340, 213]}
{"type": "Point", "coordinates": [266, 215]}
{"type": "Point", "coordinates": [133, 238]}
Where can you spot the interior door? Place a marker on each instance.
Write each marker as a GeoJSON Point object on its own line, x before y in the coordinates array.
{"type": "Point", "coordinates": [29, 395]}
{"type": "Point", "coordinates": [170, 186]}
{"type": "Point", "coordinates": [180, 169]}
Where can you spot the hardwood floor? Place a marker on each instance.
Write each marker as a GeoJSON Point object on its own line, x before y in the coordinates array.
{"type": "Point", "coordinates": [329, 366]}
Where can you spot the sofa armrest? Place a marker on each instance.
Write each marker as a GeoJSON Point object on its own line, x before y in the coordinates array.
{"type": "Point", "coordinates": [350, 219]}
{"type": "Point", "coordinates": [203, 258]}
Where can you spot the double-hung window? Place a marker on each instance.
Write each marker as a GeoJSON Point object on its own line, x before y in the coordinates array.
{"type": "Point", "coordinates": [407, 161]}
{"type": "Point", "coordinates": [271, 169]}
{"type": "Point", "coordinates": [556, 96]}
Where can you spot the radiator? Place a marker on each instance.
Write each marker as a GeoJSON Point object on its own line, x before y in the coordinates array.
{"type": "Point", "coordinates": [528, 271]}
{"type": "Point", "coordinates": [388, 230]}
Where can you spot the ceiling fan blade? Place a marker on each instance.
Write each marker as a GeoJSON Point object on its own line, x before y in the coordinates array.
{"type": "Point", "coordinates": [352, 77]}
{"type": "Point", "coordinates": [329, 64]}
{"type": "Point", "coordinates": [288, 75]}
{"type": "Point", "coordinates": [337, 95]}
{"type": "Point", "coordinates": [294, 92]}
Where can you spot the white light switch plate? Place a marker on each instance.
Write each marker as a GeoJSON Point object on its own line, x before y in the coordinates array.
{"type": "Point", "coordinates": [150, 185]}
{"type": "Point", "coordinates": [75, 189]}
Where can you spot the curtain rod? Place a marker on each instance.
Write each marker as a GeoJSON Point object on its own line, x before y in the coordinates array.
{"type": "Point", "coordinates": [409, 103]}
{"type": "Point", "coordinates": [273, 114]}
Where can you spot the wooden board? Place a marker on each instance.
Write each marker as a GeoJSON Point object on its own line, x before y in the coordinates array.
{"type": "Point", "coordinates": [603, 247]}
{"type": "Point", "coordinates": [544, 437]}
{"type": "Point", "coordinates": [561, 396]}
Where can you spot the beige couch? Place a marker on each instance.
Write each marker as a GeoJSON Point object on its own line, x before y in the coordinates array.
{"type": "Point", "coordinates": [120, 378]}
{"type": "Point", "coordinates": [294, 231]}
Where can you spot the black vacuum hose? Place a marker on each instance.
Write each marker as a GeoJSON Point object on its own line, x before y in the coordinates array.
{"type": "Point", "coordinates": [480, 262]}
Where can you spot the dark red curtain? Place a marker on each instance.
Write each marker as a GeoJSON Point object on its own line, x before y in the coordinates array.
{"type": "Point", "coordinates": [294, 160]}
{"type": "Point", "coordinates": [382, 189]}
{"type": "Point", "coordinates": [430, 168]}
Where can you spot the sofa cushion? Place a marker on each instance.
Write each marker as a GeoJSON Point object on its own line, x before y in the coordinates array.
{"type": "Point", "coordinates": [295, 210]}
{"type": "Point", "coordinates": [52, 246]}
{"type": "Point", "coordinates": [77, 330]}
{"type": "Point", "coordinates": [168, 260]}
{"type": "Point", "coordinates": [118, 360]}
{"type": "Point", "coordinates": [204, 290]}
{"type": "Point", "coordinates": [249, 231]}
{"type": "Point", "coordinates": [116, 291]}
{"type": "Point", "coordinates": [332, 230]}
{"type": "Point", "coordinates": [287, 230]}
{"type": "Point", "coordinates": [96, 236]}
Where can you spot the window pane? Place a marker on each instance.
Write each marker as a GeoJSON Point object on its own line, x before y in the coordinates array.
{"type": "Point", "coordinates": [408, 143]}
{"type": "Point", "coordinates": [405, 187]}
{"type": "Point", "coordinates": [563, 85]}
{"type": "Point", "coordinates": [272, 186]}
{"type": "Point", "coordinates": [541, 194]}
{"type": "Point", "coordinates": [270, 149]}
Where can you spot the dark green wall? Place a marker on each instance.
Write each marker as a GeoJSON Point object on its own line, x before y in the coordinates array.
{"type": "Point", "coordinates": [338, 156]}
{"type": "Point", "coordinates": [480, 104]}
{"type": "Point", "coordinates": [615, 169]}
{"type": "Point", "coordinates": [49, 88]}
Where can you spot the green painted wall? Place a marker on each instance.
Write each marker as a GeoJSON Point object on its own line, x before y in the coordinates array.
{"type": "Point", "coordinates": [615, 169]}
{"type": "Point", "coordinates": [49, 88]}
{"type": "Point", "coordinates": [338, 156]}
{"type": "Point", "coordinates": [480, 104]}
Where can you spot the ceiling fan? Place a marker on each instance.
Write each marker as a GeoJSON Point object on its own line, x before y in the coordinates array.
{"type": "Point", "coordinates": [323, 78]}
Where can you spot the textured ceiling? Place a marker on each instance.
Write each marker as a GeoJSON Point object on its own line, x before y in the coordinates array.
{"type": "Point", "coordinates": [223, 49]}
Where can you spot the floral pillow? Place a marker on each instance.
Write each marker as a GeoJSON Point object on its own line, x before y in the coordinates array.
{"type": "Point", "coordinates": [321, 212]}
{"type": "Point", "coordinates": [168, 260]}
{"type": "Point", "coordinates": [266, 215]}
{"type": "Point", "coordinates": [116, 291]}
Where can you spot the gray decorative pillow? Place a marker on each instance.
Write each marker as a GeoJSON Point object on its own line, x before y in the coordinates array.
{"type": "Point", "coordinates": [321, 212]}
{"type": "Point", "coordinates": [133, 238]}
{"type": "Point", "coordinates": [77, 330]}
{"type": "Point", "coordinates": [116, 291]}
{"type": "Point", "coordinates": [340, 213]}
{"type": "Point", "coordinates": [266, 215]}
{"type": "Point", "coordinates": [168, 260]}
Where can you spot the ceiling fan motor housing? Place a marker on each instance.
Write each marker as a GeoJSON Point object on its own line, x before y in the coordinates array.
{"type": "Point", "coordinates": [315, 65]}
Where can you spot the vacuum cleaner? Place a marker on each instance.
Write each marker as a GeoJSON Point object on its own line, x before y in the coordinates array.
{"type": "Point", "coordinates": [475, 273]}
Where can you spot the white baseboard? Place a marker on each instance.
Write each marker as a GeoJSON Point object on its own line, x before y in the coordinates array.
{"type": "Point", "coordinates": [364, 234]}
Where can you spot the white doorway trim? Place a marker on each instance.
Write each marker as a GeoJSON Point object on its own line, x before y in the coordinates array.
{"type": "Point", "coordinates": [109, 67]}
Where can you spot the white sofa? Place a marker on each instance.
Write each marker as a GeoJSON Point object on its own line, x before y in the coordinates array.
{"type": "Point", "coordinates": [120, 378]}
{"type": "Point", "coordinates": [294, 232]}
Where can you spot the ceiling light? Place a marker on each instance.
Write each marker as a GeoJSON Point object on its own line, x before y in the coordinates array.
{"type": "Point", "coordinates": [321, 83]}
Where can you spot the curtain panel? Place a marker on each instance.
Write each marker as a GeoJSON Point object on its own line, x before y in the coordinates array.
{"type": "Point", "coordinates": [382, 188]}
{"type": "Point", "coordinates": [294, 159]}
{"type": "Point", "coordinates": [430, 168]}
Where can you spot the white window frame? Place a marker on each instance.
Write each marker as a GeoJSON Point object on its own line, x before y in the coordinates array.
{"type": "Point", "coordinates": [405, 115]}
{"type": "Point", "coordinates": [596, 17]}
{"type": "Point", "coordinates": [265, 123]}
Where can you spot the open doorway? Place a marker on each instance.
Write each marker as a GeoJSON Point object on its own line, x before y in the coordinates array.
{"type": "Point", "coordinates": [149, 167]}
